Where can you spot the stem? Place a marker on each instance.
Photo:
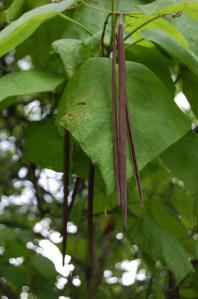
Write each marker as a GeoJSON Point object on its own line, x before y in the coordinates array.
{"type": "Point", "coordinates": [173, 289]}
{"type": "Point", "coordinates": [66, 191]}
{"type": "Point", "coordinates": [76, 23]}
{"type": "Point", "coordinates": [103, 35]}
{"type": "Point", "coordinates": [135, 42]}
{"type": "Point", "coordinates": [149, 288]}
{"type": "Point", "coordinates": [142, 25]}
{"type": "Point", "coordinates": [6, 290]}
{"type": "Point", "coordinates": [115, 6]}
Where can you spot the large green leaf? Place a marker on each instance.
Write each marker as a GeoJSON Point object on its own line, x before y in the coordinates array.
{"type": "Point", "coordinates": [41, 55]}
{"type": "Point", "coordinates": [14, 10]}
{"type": "Point", "coordinates": [161, 244]}
{"type": "Point", "coordinates": [154, 60]}
{"type": "Point", "coordinates": [85, 111]}
{"type": "Point", "coordinates": [190, 88]}
{"type": "Point", "coordinates": [26, 82]}
{"type": "Point", "coordinates": [188, 27]}
{"type": "Point", "coordinates": [151, 22]}
{"type": "Point", "coordinates": [182, 160]}
{"type": "Point", "coordinates": [168, 219]}
{"type": "Point", "coordinates": [19, 30]}
{"type": "Point", "coordinates": [182, 55]}
{"type": "Point", "coordinates": [44, 146]}
{"type": "Point", "coordinates": [171, 6]}
{"type": "Point", "coordinates": [50, 152]}
{"type": "Point", "coordinates": [74, 52]}
{"type": "Point", "coordinates": [44, 267]}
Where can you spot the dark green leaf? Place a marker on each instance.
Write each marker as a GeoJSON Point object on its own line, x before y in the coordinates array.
{"type": "Point", "coordinates": [44, 145]}
{"type": "Point", "coordinates": [182, 160]}
{"type": "Point", "coordinates": [163, 245]}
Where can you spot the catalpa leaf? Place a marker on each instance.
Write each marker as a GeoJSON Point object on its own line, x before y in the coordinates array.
{"type": "Point", "coordinates": [190, 89]}
{"type": "Point", "coordinates": [154, 22]}
{"type": "Point", "coordinates": [49, 153]}
{"type": "Point", "coordinates": [85, 111]}
{"type": "Point", "coordinates": [182, 160]}
{"type": "Point", "coordinates": [157, 242]}
{"type": "Point", "coordinates": [74, 52]}
{"type": "Point", "coordinates": [183, 56]}
{"type": "Point", "coordinates": [154, 60]}
{"type": "Point", "coordinates": [164, 7]}
{"type": "Point", "coordinates": [26, 83]}
{"type": "Point", "coordinates": [19, 30]}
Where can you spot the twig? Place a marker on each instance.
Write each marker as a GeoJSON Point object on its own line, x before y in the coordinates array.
{"type": "Point", "coordinates": [142, 25]}
{"type": "Point", "coordinates": [149, 288]}
{"type": "Point", "coordinates": [66, 191]}
{"type": "Point", "coordinates": [7, 291]}
{"type": "Point", "coordinates": [76, 23]}
{"type": "Point", "coordinates": [103, 34]}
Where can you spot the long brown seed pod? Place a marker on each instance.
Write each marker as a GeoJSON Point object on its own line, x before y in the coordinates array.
{"type": "Point", "coordinates": [66, 191]}
{"type": "Point", "coordinates": [134, 158]}
{"type": "Point", "coordinates": [122, 121]}
{"type": "Point", "coordinates": [115, 118]}
{"type": "Point", "coordinates": [90, 216]}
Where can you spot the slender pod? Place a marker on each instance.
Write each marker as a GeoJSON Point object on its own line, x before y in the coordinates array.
{"type": "Point", "coordinates": [121, 125]}
{"type": "Point", "coordinates": [122, 120]}
{"type": "Point", "coordinates": [115, 118]}
{"type": "Point", "coordinates": [66, 191]}
{"type": "Point", "coordinates": [134, 158]}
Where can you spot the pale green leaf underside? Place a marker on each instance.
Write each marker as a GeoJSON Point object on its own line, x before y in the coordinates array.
{"type": "Point", "coordinates": [160, 24]}
{"type": "Point", "coordinates": [19, 30]}
{"type": "Point", "coordinates": [171, 7]}
{"type": "Point", "coordinates": [182, 55]}
{"type": "Point", "coordinates": [85, 111]}
{"type": "Point", "coordinates": [25, 83]}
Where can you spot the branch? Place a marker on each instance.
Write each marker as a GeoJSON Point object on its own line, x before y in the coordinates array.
{"type": "Point", "coordinates": [6, 290]}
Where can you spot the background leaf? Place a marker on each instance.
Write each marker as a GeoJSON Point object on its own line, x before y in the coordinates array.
{"type": "Point", "coordinates": [26, 83]}
{"type": "Point", "coordinates": [19, 30]}
{"type": "Point", "coordinates": [182, 160]}
{"type": "Point", "coordinates": [157, 242]}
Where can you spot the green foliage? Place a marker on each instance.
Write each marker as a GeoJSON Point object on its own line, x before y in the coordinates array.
{"type": "Point", "coordinates": [26, 83]}
{"type": "Point", "coordinates": [82, 103]}
{"type": "Point", "coordinates": [18, 31]}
